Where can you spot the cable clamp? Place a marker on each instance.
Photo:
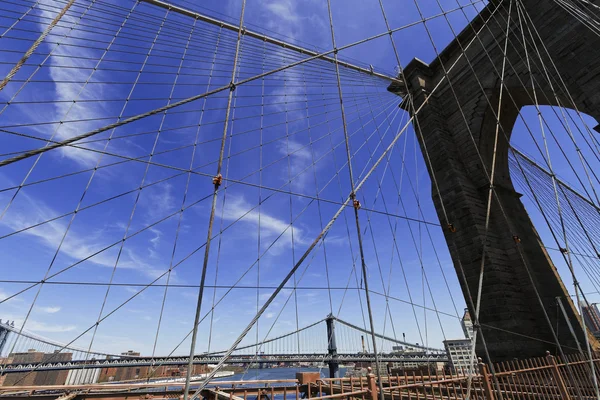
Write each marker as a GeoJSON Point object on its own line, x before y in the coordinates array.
{"type": "Point", "coordinates": [451, 228]}
{"type": "Point", "coordinates": [232, 86]}
{"type": "Point", "coordinates": [335, 50]}
{"type": "Point", "coordinates": [217, 181]}
{"type": "Point", "coordinates": [371, 68]}
{"type": "Point", "coordinates": [563, 250]}
{"type": "Point", "coordinates": [356, 204]}
{"type": "Point", "coordinates": [516, 239]}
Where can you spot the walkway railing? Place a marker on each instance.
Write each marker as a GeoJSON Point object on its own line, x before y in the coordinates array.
{"type": "Point", "coordinates": [544, 378]}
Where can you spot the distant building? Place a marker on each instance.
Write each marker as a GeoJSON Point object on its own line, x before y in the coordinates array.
{"type": "Point", "coordinates": [591, 316]}
{"type": "Point", "coordinates": [114, 374]}
{"type": "Point", "coordinates": [37, 378]}
{"type": "Point", "coordinates": [459, 350]}
{"type": "Point", "coordinates": [414, 364]}
{"type": "Point", "coordinates": [467, 324]}
{"type": "Point", "coordinates": [83, 376]}
{"type": "Point", "coordinates": [131, 353]}
{"type": "Point", "coordinates": [459, 353]}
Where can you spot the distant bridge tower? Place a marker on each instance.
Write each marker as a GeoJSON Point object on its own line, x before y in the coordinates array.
{"type": "Point", "coordinates": [455, 129]}
{"type": "Point", "coordinates": [334, 366]}
{"type": "Point", "coordinates": [4, 332]}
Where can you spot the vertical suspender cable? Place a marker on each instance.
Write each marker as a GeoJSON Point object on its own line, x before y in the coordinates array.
{"type": "Point", "coordinates": [356, 205]}
{"type": "Point", "coordinates": [217, 182]}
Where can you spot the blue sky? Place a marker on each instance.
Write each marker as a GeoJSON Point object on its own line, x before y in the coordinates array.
{"type": "Point", "coordinates": [285, 126]}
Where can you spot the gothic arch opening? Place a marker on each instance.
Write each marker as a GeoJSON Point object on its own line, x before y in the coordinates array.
{"type": "Point", "coordinates": [554, 163]}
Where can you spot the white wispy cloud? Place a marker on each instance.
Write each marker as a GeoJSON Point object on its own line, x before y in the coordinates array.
{"type": "Point", "coordinates": [270, 226]}
{"type": "Point", "coordinates": [65, 94]}
{"type": "Point", "coordinates": [299, 170]}
{"type": "Point", "coordinates": [290, 18]}
{"type": "Point", "coordinates": [37, 326]}
{"type": "Point", "coordinates": [77, 245]}
{"type": "Point", "coordinates": [49, 309]}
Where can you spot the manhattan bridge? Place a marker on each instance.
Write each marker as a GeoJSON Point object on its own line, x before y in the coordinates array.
{"type": "Point", "coordinates": [195, 190]}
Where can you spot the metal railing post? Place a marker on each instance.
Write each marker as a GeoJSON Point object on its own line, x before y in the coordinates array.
{"type": "Point", "coordinates": [562, 387]}
{"type": "Point", "coordinates": [372, 384]}
{"type": "Point", "coordinates": [486, 381]}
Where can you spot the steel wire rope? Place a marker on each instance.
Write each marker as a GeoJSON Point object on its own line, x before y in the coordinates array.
{"type": "Point", "coordinates": [379, 180]}
{"type": "Point", "coordinates": [289, 168]}
{"type": "Point", "coordinates": [290, 273]}
{"type": "Point", "coordinates": [542, 194]}
{"type": "Point", "coordinates": [316, 182]}
{"type": "Point", "coordinates": [549, 80]}
{"type": "Point", "coordinates": [185, 193]}
{"type": "Point", "coordinates": [527, 269]}
{"type": "Point", "coordinates": [329, 340]}
{"type": "Point", "coordinates": [126, 192]}
{"type": "Point", "coordinates": [126, 230]}
{"type": "Point", "coordinates": [181, 171]}
{"type": "Point", "coordinates": [567, 256]}
{"type": "Point", "coordinates": [34, 46]}
{"type": "Point", "coordinates": [408, 96]}
{"type": "Point", "coordinates": [55, 131]}
{"type": "Point", "coordinates": [248, 271]}
{"type": "Point", "coordinates": [288, 50]}
{"type": "Point", "coordinates": [139, 192]}
{"type": "Point", "coordinates": [21, 18]}
{"type": "Point", "coordinates": [509, 62]}
{"type": "Point", "coordinates": [435, 16]}
{"type": "Point", "coordinates": [373, 236]}
{"type": "Point", "coordinates": [60, 243]}
{"type": "Point", "coordinates": [190, 99]}
{"type": "Point", "coordinates": [573, 104]}
{"type": "Point", "coordinates": [111, 246]}
{"type": "Point", "coordinates": [489, 204]}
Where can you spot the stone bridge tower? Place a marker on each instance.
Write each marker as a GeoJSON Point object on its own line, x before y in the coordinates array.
{"type": "Point", "coordinates": [455, 129]}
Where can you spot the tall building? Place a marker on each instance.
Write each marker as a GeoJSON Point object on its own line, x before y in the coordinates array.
{"type": "Point", "coordinates": [591, 316]}
{"type": "Point", "coordinates": [467, 324]}
{"type": "Point", "coordinates": [459, 350]}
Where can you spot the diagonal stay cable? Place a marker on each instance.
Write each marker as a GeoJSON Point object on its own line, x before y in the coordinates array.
{"type": "Point", "coordinates": [321, 235]}
{"type": "Point", "coordinates": [230, 86]}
